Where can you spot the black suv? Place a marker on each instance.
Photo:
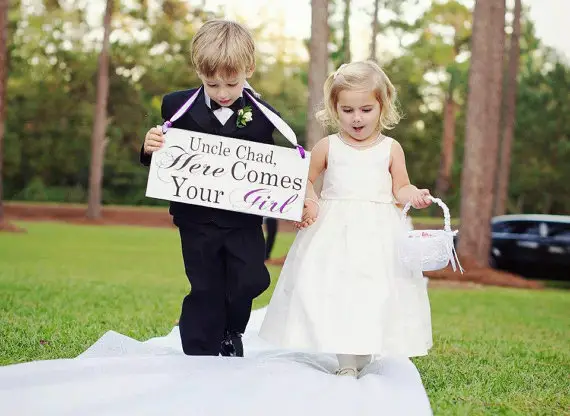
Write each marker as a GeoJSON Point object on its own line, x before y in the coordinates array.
{"type": "Point", "coordinates": [532, 245]}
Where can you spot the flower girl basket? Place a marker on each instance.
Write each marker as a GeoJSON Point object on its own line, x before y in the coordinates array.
{"type": "Point", "coordinates": [429, 250]}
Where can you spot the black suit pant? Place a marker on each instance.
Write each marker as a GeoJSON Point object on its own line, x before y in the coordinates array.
{"type": "Point", "coordinates": [226, 271]}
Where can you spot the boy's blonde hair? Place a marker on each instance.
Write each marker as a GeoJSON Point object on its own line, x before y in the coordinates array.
{"type": "Point", "coordinates": [223, 48]}
{"type": "Point", "coordinates": [360, 76]}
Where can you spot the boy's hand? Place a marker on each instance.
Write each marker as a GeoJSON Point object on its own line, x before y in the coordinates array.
{"type": "Point", "coordinates": [310, 215]}
{"type": "Point", "coordinates": [153, 140]}
{"type": "Point", "coordinates": [420, 199]}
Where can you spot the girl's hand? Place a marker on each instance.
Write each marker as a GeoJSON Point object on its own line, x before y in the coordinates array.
{"type": "Point", "coordinates": [420, 199]}
{"type": "Point", "coordinates": [153, 140]}
{"type": "Point", "coordinates": [310, 214]}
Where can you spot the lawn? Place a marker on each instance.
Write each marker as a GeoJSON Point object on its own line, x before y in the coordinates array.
{"type": "Point", "coordinates": [497, 351]}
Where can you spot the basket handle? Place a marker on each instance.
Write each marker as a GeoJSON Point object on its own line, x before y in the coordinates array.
{"type": "Point", "coordinates": [446, 215]}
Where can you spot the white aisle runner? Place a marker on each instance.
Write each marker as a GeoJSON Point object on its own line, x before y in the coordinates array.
{"type": "Point", "coordinates": [121, 376]}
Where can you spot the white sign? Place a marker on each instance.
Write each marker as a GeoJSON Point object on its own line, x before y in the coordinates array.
{"type": "Point", "coordinates": [228, 173]}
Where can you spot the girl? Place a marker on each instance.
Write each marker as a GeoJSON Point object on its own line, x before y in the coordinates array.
{"type": "Point", "coordinates": [342, 289]}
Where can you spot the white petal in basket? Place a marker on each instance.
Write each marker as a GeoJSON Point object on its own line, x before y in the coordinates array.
{"type": "Point", "coordinates": [429, 250]}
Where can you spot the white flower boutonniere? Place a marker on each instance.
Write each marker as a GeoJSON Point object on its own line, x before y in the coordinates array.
{"type": "Point", "coordinates": [244, 116]}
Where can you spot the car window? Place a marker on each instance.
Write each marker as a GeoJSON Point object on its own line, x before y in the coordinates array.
{"type": "Point", "coordinates": [559, 231]}
{"type": "Point", "coordinates": [500, 227]}
{"type": "Point", "coordinates": [518, 227]}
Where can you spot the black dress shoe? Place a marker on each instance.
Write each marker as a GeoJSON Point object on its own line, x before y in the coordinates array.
{"type": "Point", "coordinates": [232, 345]}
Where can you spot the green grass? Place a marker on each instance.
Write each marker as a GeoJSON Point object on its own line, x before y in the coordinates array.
{"type": "Point", "coordinates": [418, 219]}
{"type": "Point", "coordinates": [69, 284]}
{"type": "Point", "coordinates": [150, 208]}
{"type": "Point", "coordinates": [496, 351]}
{"type": "Point", "coordinates": [499, 352]}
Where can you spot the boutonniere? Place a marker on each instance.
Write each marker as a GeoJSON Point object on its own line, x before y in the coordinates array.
{"type": "Point", "coordinates": [244, 116]}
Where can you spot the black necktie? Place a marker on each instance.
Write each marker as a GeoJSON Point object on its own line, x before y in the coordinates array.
{"type": "Point", "coordinates": [237, 105]}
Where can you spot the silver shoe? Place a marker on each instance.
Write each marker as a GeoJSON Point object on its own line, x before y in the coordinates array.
{"type": "Point", "coordinates": [346, 371]}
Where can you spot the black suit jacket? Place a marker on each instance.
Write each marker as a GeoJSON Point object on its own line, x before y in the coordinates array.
{"type": "Point", "coordinates": [201, 119]}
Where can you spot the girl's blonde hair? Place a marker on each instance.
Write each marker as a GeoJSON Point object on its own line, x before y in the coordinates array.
{"type": "Point", "coordinates": [360, 76]}
{"type": "Point", "coordinates": [223, 47]}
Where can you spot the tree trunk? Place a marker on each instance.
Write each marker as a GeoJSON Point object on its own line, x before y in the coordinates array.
{"type": "Point", "coordinates": [482, 130]}
{"type": "Point", "coordinates": [4, 5]}
{"type": "Point", "coordinates": [504, 167]}
{"type": "Point", "coordinates": [318, 67]}
{"type": "Point", "coordinates": [374, 30]}
{"type": "Point", "coordinates": [100, 122]}
{"type": "Point", "coordinates": [443, 182]}
{"type": "Point", "coordinates": [495, 99]}
{"type": "Point", "coordinates": [472, 174]}
{"type": "Point", "coordinates": [346, 32]}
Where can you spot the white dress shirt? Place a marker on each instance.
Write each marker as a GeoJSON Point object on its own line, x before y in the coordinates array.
{"type": "Point", "coordinates": [223, 114]}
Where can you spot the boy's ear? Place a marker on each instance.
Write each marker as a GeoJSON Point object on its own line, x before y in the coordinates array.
{"type": "Point", "coordinates": [249, 71]}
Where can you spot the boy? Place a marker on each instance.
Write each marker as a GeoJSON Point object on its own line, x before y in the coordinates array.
{"type": "Point", "coordinates": [223, 251]}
